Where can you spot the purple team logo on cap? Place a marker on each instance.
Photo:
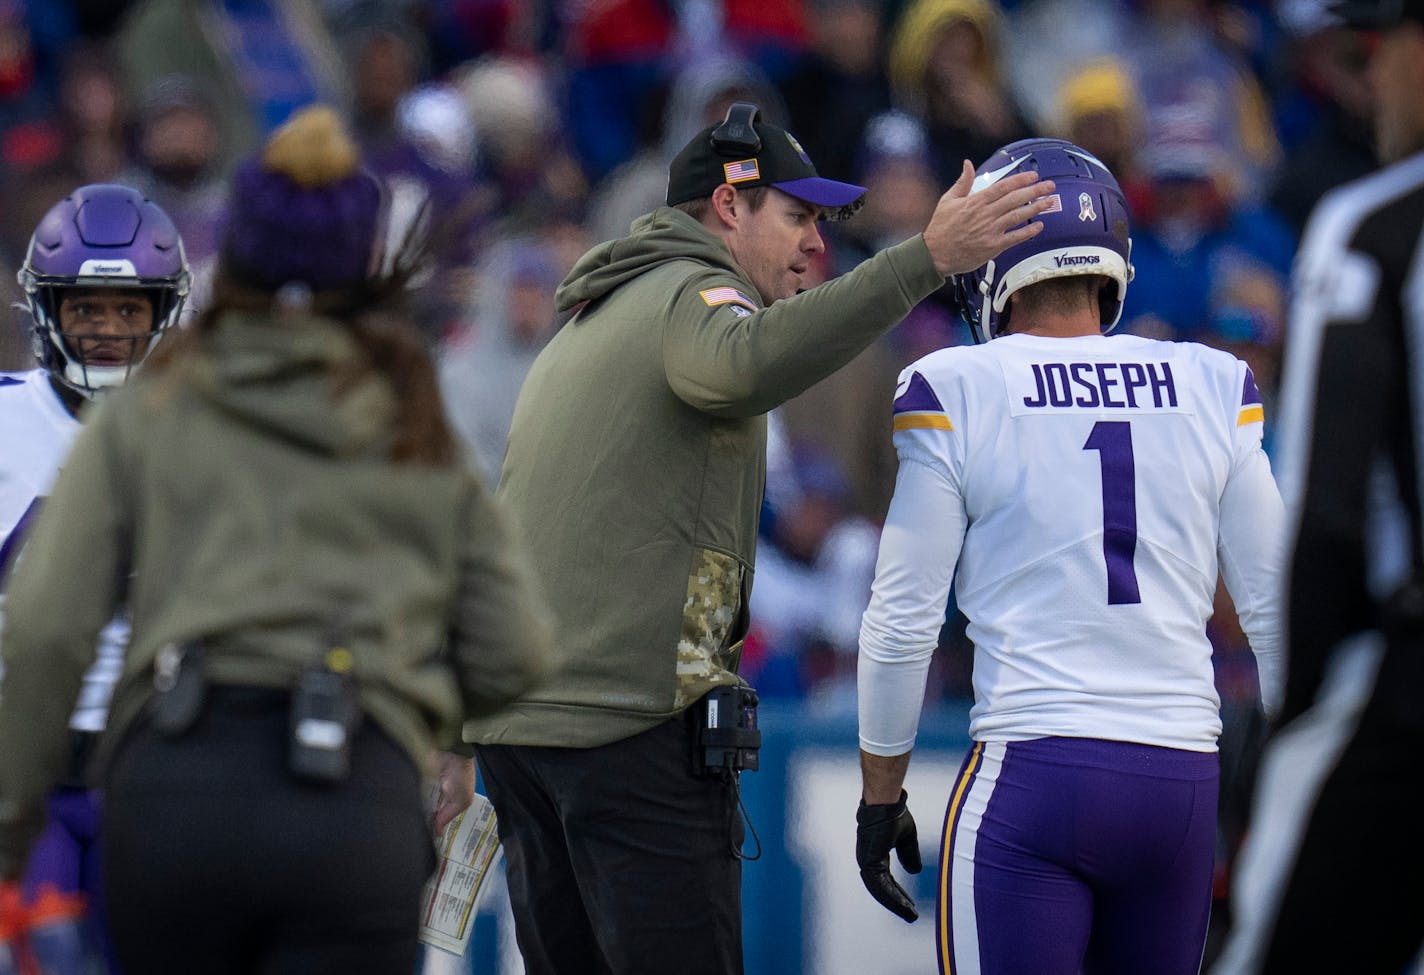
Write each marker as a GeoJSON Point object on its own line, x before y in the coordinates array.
{"type": "Point", "coordinates": [797, 146]}
{"type": "Point", "coordinates": [817, 189]}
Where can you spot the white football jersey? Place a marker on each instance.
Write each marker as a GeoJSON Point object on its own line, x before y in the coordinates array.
{"type": "Point", "coordinates": [37, 432]}
{"type": "Point", "coordinates": [1087, 490]}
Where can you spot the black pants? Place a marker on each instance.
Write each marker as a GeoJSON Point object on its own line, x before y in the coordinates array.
{"type": "Point", "coordinates": [618, 860]}
{"type": "Point", "coordinates": [219, 861]}
{"type": "Point", "coordinates": [1355, 898]}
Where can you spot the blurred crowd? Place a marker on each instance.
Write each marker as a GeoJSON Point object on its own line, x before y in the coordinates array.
{"type": "Point", "coordinates": [525, 131]}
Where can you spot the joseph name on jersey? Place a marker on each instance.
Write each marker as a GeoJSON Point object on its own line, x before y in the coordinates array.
{"type": "Point", "coordinates": [37, 432]}
{"type": "Point", "coordinates": [1075, 483]}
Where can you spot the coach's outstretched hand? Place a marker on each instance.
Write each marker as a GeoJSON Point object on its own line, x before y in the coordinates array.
{"type": "Point", "coordinates": [878, 830]}
{"type": "Point", "coordinates": [969, 226]}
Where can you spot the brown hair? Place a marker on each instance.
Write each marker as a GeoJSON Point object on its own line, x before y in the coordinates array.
{"type": "Point", "coordinates": [314, 152]}
{"type": "Point", "coordinates": [392, 345]}
{"type": "Point", "coordinates": [1058, 296]}
{"type": "Point", "coordinates": [756, 197]}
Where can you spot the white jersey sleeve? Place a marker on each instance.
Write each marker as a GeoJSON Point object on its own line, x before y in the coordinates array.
{"type": "Point", "coordinates": [1251, 545]}
{"type": "Point", "coordinates": [1090, 488]}
{"type": "Point", "coordinates": [919, 546]}
{"type": "Point", "coordinates": [37, 432]}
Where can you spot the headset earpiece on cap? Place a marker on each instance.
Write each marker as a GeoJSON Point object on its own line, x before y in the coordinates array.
{"type": "Point", "coordinates": [737, 135]}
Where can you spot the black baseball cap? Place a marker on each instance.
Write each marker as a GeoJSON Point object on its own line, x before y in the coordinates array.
{"type": "Point", "coordinates": [1377, 14]}
{"type": "Point", "coordinates": [744, 151]}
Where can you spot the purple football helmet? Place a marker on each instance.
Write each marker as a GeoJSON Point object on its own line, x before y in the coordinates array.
{"type": "Point", "coordinates": [1086, 234]}
{"type": "Point", "coordinates": [101, 236]}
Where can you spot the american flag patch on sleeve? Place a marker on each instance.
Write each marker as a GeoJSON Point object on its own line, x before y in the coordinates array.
{"type": "Point", "coordinates": [727, 296]}
{"type": "Point", "coordinates": [741, 171]}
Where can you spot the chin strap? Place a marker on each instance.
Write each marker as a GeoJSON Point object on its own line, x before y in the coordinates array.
{"type": "Point", "coordinates": [986, 313]}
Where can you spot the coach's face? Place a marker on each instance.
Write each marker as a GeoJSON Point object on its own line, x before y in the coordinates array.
{"type": "Point", "coordinates": [776, 243]}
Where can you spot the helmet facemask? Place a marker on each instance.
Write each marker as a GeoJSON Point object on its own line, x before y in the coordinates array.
{"type": "Point", "coordinates": [90, 360]}
{"type": "Point", "coordinates": [109, 239]}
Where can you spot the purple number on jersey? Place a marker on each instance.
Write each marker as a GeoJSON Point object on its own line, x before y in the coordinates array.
{"type": "Point", "coordinates": [1112, 439]}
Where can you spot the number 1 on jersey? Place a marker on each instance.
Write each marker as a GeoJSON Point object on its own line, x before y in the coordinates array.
{"type": "Point", "coordinates": [1112, 439]}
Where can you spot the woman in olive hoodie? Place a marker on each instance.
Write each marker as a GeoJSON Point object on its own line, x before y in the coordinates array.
{"type": "Point", "coordinates": [282, 510]}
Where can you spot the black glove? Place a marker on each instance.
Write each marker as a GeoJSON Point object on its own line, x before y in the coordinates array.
{"type": "Point", "coordinates": [878, 829]}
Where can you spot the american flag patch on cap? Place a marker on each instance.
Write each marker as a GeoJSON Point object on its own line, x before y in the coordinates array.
{"type": "Point", "coordinates": [1055, 204]}
{"type": "Point", "coordinates": [741, 171]}
{"type": "Point", "coordinates": [726, 296]}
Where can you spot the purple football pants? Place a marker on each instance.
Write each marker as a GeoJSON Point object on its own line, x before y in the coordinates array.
{"type": "Point", "coordinates": [67, 855]}
{"type": "Point", "coordinates": [1069, 855]}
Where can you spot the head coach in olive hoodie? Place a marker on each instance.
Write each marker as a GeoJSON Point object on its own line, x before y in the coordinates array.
{"type": "Point", "coordinates": [635, 466]}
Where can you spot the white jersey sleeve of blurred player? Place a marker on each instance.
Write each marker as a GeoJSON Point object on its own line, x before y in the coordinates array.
{"type": "Point", "coordinates": [1251, 546]}
{"type": "Point", "coordinates": [37, 432]}
{"type": "Point", "coordinates": [1089, 488]}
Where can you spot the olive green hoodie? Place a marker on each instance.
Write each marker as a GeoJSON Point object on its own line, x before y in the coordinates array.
{"type": "Point", "coordinates": [232, 497]}
{"type": "Point", "coordinates": [637, 459]}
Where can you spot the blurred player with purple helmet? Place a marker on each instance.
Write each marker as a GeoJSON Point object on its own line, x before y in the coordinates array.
{"type": "Point", "coordinates": [105, 277]}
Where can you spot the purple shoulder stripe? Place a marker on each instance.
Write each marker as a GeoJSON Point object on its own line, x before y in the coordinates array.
{"type": "Point", "coordinates": [918, 397]}
{"type": "Point", "coordinates": [1250, 395]}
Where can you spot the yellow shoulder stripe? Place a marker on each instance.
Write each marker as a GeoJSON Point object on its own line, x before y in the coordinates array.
{"type": "Point", "coordinates": [922, 421]}
{"type": "Point", "coordinates": [1251, 414]}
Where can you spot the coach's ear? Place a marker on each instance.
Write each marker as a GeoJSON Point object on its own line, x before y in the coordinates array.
{"type": "Point", "coordinates": [879, 829]}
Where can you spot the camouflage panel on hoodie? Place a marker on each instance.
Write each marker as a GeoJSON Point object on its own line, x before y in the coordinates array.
{"type": "Point", "coordinates": [704, 660]}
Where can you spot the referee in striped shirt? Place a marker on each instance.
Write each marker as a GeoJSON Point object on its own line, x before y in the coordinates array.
{"type": "Point", "coordinates": [1332, 878]}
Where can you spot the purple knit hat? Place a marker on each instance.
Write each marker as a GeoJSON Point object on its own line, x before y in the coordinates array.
{"type": "Point", "coordinates": [304, 210]}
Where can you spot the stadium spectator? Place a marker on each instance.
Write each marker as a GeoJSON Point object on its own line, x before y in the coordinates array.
{"type": "Point", "coordinates": [812, 584]}
{"type": "Point", "coordinates": [483, 366]}
{"type": "Point", "coordinates": [945, 69]}
{"type": "Point", "coordinates": [834, 416]}
{"type": "Point", "coordinates": [1047, 41]}
{"type": "Point", "coordinates": [1084, 551]}
{"type": "Point", "coordinates": [635, 465]}
{"type": "Point", "coordinates": [1194, 232]}
{"type": "Point", "coordinates": [1247, 318]}
{"type": "Point", "coordinates": [81, 141]}
{"type": "Point", "coordinates": [619, 51]}
{"type": "Point", "coordinates": [894, 161]}
{"type": "Point", "coordinates": [523, 155]}
{"type": "Point", "coordinates": [1332, 877]}
{"type": "Point", "coordinates": [255, 60]}
{"type": "Point", "coordinates": [1098, 109]}
{"type": "Point", "coordinates": [320, 592]}
{"type": "Point", "coordinates": [430, 166]}
{"type": "Point", "coordinates": [844, 67]}
{"type": "Point", "coordinates": [93, 114]}
{"type": "Point", "coordinates": [1186, 77]}
{"type": "Point", "coordinates": [178, 164]}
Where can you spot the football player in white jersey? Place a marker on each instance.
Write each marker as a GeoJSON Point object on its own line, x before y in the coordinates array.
{"type": "Point", "coordinates": [104, 277]}
{"type": "Point", "coordinates": [1082, 492]}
